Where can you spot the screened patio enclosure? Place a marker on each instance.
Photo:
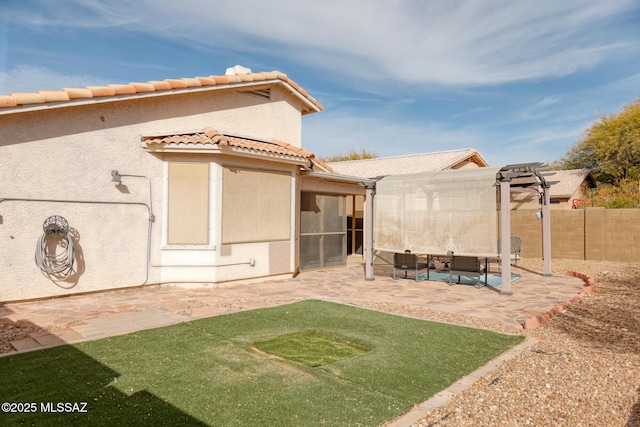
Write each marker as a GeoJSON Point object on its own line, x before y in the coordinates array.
{"type": "Point", "coordinates": [323, 230]}
{"type": "Point", "coordinates": [438, 213]}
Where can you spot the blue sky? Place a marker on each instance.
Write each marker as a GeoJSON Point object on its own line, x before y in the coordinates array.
{"type": "Point", "coordinates": [518, 80]}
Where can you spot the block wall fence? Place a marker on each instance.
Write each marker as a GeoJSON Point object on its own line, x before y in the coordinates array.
{"type": "Point", "coordinates": [596, 234]}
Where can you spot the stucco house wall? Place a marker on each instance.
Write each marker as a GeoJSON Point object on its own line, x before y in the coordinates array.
{"type": "Point", "coordinates": [57, 160]}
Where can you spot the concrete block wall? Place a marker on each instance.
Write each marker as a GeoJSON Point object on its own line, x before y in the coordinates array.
{"type": "Point", "coordinates": [594, 233]}
{"type": "Point", "coordinates": [622, 235]}
{"type": "Point", "coordinates": [591, 234]}
{"type": "Point", "coordinates": [525, 225]}
{"type": "Point", "coordinates": [567, 231]}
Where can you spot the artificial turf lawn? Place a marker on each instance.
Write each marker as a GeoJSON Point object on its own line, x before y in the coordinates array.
{"type": "Point", "coordinates": [311, 348]}
{"type": "Point", "coordinates": [205, 372]}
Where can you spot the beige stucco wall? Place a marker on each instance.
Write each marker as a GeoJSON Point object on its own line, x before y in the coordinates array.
{"type": "Point", "coordinates": [67, 154]}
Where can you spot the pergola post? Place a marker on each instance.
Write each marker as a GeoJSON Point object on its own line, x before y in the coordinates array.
{"type": "Point", "coordinates": [505, 236]}
{"type": "Point", "coordinates": [368, 232]}
{"type": "Point", "coordinates": [546, 231]}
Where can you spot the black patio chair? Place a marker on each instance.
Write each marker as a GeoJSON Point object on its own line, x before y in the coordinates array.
{"type": "Point", "coordinates": [408, 262]}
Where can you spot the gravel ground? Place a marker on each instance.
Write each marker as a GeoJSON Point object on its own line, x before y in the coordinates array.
{"type": "Point", "coordinates": [584, 369]}
{"type": "Point", "coordinates": [10, 331]}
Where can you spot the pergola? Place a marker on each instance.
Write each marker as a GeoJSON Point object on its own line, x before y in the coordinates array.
{"type": "Point", "coordinates": [452, 211]}
{"type": "Point", "coordinates": [523, 175]}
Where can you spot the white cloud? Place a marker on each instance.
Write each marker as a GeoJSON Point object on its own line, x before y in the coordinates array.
{"type": "Point", "coordinates": [32, 79]}
{"type": "Point", "coordinates": [75, 13]}
{"type": "Point", "coordinates": [468, 42]}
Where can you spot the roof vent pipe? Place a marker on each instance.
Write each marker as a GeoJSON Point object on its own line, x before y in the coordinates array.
{"type": "Point", "coordinates": [237, 70]}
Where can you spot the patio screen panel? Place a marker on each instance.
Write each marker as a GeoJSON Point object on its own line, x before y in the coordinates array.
{"type": "Point", "coordinates": [438, 212]}
{"type": "Point", "coordinates": [323, 230]}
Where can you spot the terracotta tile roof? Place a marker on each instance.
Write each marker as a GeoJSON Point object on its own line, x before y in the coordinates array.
{"type": "Point", "coordinates": [398, 165]}
{"type": "Point", "coordinates": [13, 100]}
{"type": "Point", "coordinates": [210, 137]}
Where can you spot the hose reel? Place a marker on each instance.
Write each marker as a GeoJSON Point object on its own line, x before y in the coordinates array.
{"type": "Point", "coordinates": [54, 252]}
{"type": "Point", "coordinates": [55, 226]}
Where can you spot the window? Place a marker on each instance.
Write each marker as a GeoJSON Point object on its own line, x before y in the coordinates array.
{"type": "Point", "coordinates": [256, 206]}
{"type": "Point", "coordinates": [188, 213]}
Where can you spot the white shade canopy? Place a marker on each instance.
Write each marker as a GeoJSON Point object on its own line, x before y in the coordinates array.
{"type": "Point", "coordinates": [438, 212]}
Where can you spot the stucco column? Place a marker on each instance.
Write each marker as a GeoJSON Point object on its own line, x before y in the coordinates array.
{"type": "Point", "coordinates": [505, 237]}
{"type": "Point", "coordinates": [546, 232]}
{"type": "Point", "coordinates": [368, 233]}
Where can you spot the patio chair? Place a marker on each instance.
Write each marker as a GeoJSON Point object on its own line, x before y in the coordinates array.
{"type": "Point", "coordinates": [408, 262]}
{"type": "Point", "coordinates": [468, 266]}
{"type": "Point", "coordinates": [516, 247]}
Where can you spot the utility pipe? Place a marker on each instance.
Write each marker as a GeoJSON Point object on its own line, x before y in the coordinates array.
{"type": "Point", "coordinates": [95, 202]}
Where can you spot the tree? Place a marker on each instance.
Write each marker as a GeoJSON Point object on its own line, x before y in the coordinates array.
{"type": "Point", "coordinates": [352, 154]}
{"type": "Point", "coordinates": [624, 196]}
{"type": "Point", "coordinates": [610, 148]}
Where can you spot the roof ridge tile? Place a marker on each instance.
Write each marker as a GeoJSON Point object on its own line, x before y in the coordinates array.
{"type": "Point", "coordinates": [54, 95]}
{"type": "Point", "coordinates": [191, 81]}
{"type": "Point", "coordinates": [78, 92]}
{"type": "Point", "coordinates": [27, 98]}
{"type": "Point", "coordinates": [176, 83]}
{"type": "Point", "coordinates": [207, 81]}
{"type": "Point", "coordinates": [160, 85]}
{"type": "Point", "coordinates": [143, 87]}
{"type": "Point", "coordinates": [7, 101]}
{"type": "Point", "coordinates": [100, 91]}
{"type": "Point", "coordinates": [123, 89]}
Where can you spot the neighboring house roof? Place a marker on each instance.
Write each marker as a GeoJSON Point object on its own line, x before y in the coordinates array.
{"type": "Point", "coordinates": [71, 96]}
{"type": "Point", "coordinates": [209, 139]}
{"type": "Point", "coordinates": [414, 163]}
{"type": "Point", "coordinates": [565, 183]}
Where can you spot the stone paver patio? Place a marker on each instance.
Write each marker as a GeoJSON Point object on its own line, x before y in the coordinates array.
{"type": "Point", "coordinates": [93, 316]}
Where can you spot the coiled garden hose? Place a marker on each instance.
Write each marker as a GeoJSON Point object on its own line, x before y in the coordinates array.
{"type": "Point", "coordinates": [58, 266]}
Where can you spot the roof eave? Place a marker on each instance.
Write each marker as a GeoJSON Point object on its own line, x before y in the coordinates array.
{"type": "Point", "coordinates": [181, 148]}
{"type": "Point", "coordinates": [276, 157]}
{"type": "Point", "coordinates": [235, 151]}
{"type": "Point", "coordinates": [330, 176]}
{"type": "Point", "coordinates": [310, 106]}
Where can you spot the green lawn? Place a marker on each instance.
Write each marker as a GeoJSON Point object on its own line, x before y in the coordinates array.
{"type": "Point", "coordinates": [208, 372]}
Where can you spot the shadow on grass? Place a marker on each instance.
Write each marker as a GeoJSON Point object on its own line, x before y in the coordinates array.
{"type": "Point", "coordinates": [63, 385]}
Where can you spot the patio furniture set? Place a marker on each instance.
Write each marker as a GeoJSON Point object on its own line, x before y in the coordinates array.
{"type": "Point", "coordinates": [455, 265]}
